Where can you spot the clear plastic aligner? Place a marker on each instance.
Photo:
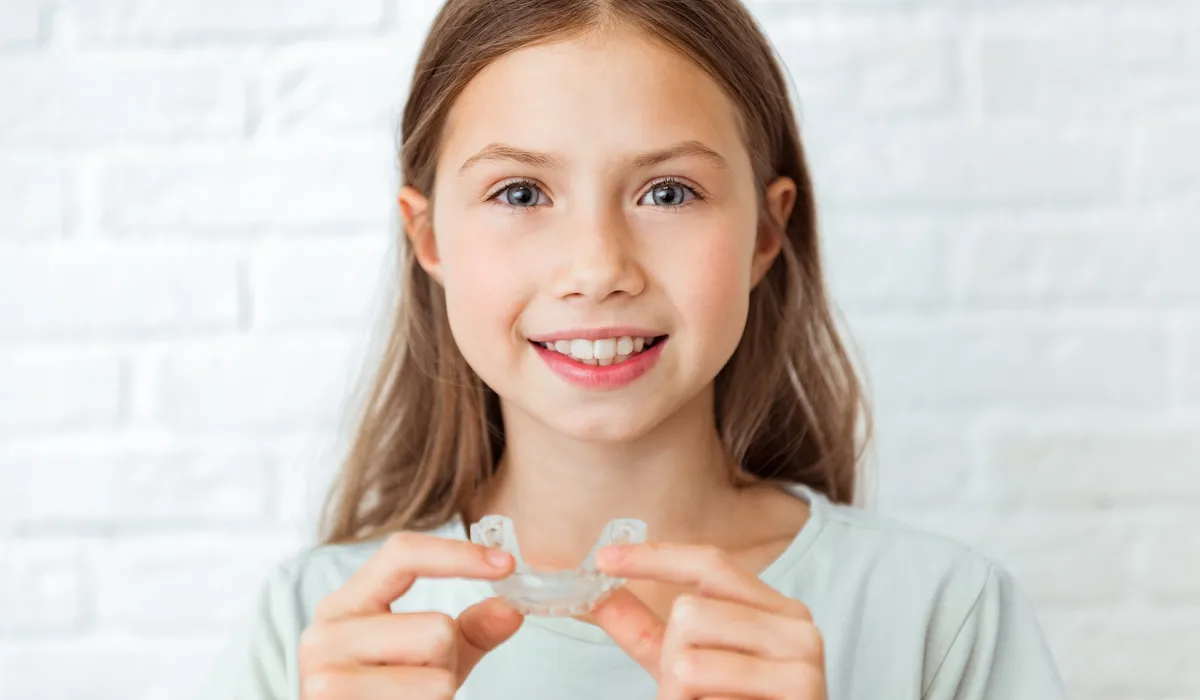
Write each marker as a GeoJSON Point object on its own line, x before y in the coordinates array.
{"type": "Point", "coordinates": [555, 593]}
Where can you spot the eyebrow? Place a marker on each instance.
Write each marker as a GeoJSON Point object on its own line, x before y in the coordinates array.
{"type": "Point", "coordinates": [536, 159]}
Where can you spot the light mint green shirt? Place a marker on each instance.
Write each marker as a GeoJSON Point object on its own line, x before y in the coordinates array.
{"type": "Point", "coordinates": [905, 615]}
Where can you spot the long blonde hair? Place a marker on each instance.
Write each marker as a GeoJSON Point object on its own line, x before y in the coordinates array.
{"type": "Point", "coordinates": [788, 403]}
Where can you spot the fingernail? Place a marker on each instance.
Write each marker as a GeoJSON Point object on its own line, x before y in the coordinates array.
{"type": "Point", "coordinates": [612, 554]}
{"type": "Point", "coordinates": [498, 558]}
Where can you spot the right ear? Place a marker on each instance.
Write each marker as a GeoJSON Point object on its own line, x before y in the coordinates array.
{"type": "Point", "coordinates": [418, 224]}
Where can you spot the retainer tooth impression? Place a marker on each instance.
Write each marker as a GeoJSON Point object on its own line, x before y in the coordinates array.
{"type": "Point", "coordinates": [555, 593]}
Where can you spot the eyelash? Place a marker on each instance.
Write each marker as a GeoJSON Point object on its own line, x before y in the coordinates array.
{"type": "Point", "coordinates": [522, 182]}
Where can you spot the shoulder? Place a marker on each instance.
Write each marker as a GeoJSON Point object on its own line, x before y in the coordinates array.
{"type": "Point", "coordinates": [903, 572]}
{"type": "Point", "coordinates": [905, 587]}
{"type": "Point", "coordinates": [904, 548]}
{"type": "Point", "coordinates": [874, 549]}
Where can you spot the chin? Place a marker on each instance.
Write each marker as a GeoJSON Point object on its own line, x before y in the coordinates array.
{"type": "Point", "coordinates": [608, 424]}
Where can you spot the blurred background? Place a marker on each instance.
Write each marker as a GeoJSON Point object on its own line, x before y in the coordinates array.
{"type": "Point", "coordinates": [196, 236]}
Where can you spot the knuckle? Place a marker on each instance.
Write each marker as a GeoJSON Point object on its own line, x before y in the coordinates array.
{"type": "Point", "coordinates": [714, 556]}
{"type": "Point", "coordinates": [686, 612]}
{"type": "Point", "coordinates": [813, 642]}
{"type": "Point", "coordinates": [647, 640]}
{"type": "Point", "coordinates": [441, 684]}
{"type": "Point", "coordinates": [808, 680]}
{"type": "Point", "coordinates": [686, 670]}
{"type": "Point", "coordinates": [400, 543]}
{"type": "Point", "coordinates": [442, 632]}
{"type": "Point", "coordinates": [326, 685]}
{"type": "Point", "coordinates": [325, 608]}
{"type": "Point", "coordinates": [312, 641]}
{"type": "Point", "coordinates": [800, 610]}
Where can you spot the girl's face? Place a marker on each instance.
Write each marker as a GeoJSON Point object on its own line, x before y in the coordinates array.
{"type": "Point", "coordinates": [595, 196]}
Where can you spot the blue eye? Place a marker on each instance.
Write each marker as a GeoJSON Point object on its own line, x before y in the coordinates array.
{"type": "Point", "coordinates": [521, 194]}
{"type": "Point", "coordinates": [669, 194]}
{"type": "Point", "coordinates": [664, 194]}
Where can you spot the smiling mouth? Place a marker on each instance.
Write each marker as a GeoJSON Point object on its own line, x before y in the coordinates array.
{"type": "Point", "coordinates": [603, 352]}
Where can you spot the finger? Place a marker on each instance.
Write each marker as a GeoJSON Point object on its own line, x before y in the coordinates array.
{"type": "Point", "coordinates": [673, 645]}
{"type": "Point", "coordinates": [380, 683]}
{"type": "Point", "coordinates": [483, 627]}
{"type": "Point", "coordinates": [390, 572]}
{"type": "Point", "coordinates": [696, 621]}
{"type": "Point", "coordinates": [409, 639]}
{"type": "Point", "coordinates": [633, 626]}
{"type": "Point", "coordinates": [706, 568]}
{"type": "Point", "coordinates": [704, 673]}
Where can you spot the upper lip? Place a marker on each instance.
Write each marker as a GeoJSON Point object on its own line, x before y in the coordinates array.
{"type": "Point", "coordinates": [595, 334]}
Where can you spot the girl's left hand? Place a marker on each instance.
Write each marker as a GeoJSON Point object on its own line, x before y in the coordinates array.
{"type": "Point", "coordinates": [735, 636]}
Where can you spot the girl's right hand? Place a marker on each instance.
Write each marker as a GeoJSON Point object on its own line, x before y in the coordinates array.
{"type": "Point", "coordinates": [357, 649]}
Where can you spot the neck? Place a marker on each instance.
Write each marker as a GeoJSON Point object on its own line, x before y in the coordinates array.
{"type": "Point", "coordinates": [560, 491]}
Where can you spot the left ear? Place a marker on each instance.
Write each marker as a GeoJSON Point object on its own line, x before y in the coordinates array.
{"type": "Point", "coordinates": [415, 213]}
{"type": "Point", "coordinates": [779, 198]}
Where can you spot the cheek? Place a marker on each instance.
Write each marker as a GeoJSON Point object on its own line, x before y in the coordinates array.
{"type": "Point", "coordinates": [484, 293]}
{"type": "Point", "coordinates": [710, 285]}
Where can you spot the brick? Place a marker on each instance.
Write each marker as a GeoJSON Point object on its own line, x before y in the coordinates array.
{"type": "Point", "coordinates": [181, 584]}
{"type": "Point", "coordinates": [858, 71]}
{"type": "Point", "coordinates": [1172, 553]}
{"type": "Point", "coordinates": [298, 187]}
{"type": "Point", "coordinates": [1179, 281]}
{"type": "Point", "coordinates": [337, 88]}
{"type": "Point", "coordinates": [770, 12]}
{"type": "Point", "coordinates": [1145, 653]}
{"type": "Point", "coordinates": [100, 668]}
{"type": "Point", "coordinates": [20, 21]}
{"type": "Point", "coordinates": [1190, 365]}
{"type": "Point", "coordinates": [34, 196]}
{"type": "Point", "coordinates": [1192, 20]}
{"type": "Point", "coordinates": [1051, 67]}
{"type": "Point", "coordinates": [307, 466]}
{"type": "Point", "coordinates": [193, 20]}
{"type": "Point", "coordinates": [1097, 549]}
{"type": "Point", "coordinates": [958, 166]}
{"type": "Point", "coordinates": [102, 485]}
{"type": "Point", "coordinates": [1168, 161]}
{"type": "Point", "coordinates": [60, 101]}
{"type": "Point", "coordinates": [921, 465]}
{"type": "Point", "coordinates": [42, 588]}
{"type": "Point", "coordinates": [885, 263]}
{"type": "Point", "coordinates": [303, 284]}
{"type": "Point", "coordinates": [998, 363]}
{"type": "Point", "coordinates": [1100, 466]}
{"type": "Point", "coordinates": [414, 18]}
{"type": "Point", "coordinates": [1034, 264]}
{"type": "Point", "coordinates": [58, 390]}
{"type": "Point", "coordinates": [258, 384]}
{"type": "Point", "coordinates": [82, 287]}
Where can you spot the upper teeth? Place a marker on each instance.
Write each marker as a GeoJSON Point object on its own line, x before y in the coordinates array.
{"type": "Point", "coordinates": [599, 352]}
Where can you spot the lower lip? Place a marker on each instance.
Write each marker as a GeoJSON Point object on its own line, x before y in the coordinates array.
{"type": "Point", "coordinates": [598, 377]}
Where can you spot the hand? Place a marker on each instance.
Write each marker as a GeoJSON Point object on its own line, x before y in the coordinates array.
{"type": "Point", "coordinates": [357, 649]}
{"type": "Point", "coordinates": [735, 636]}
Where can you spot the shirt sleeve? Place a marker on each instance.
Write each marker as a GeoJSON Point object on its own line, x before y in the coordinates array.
{"type": "Point", "coordinates": [999, 652]}
{"type": "Point", "coordinates": [257, 662]}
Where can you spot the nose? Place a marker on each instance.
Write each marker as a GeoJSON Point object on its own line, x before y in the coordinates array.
{"type": "Point", "coordinates": [599, 259]}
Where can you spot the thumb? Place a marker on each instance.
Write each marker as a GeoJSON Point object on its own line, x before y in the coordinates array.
{"type": "Point", "coordinates": [633, 626]}
{"type": "Point", "coordinates": [481, 628]}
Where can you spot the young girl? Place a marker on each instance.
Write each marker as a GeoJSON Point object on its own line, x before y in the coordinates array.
{"type": "Point", "coordinates": [613, 306]}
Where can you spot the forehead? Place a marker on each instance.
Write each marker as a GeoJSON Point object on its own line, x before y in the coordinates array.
{"type": "Point", "coordinates": [592, 99]}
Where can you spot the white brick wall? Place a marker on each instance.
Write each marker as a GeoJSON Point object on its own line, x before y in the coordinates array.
{"type": "Point", "coordinates": [196, 199]}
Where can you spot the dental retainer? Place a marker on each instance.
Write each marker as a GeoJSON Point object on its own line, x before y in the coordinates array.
{"type": "Point", "coordinates": [555, 593]}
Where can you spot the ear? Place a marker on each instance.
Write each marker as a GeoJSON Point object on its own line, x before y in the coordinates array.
{"type": "Point", "coordinates": [418, 224]}
{"type": "Point", "coordinates": [779, 198]}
